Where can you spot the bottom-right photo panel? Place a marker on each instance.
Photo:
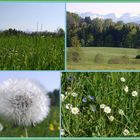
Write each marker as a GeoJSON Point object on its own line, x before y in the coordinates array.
{"type": "Point", "coordinates": [100, 104]}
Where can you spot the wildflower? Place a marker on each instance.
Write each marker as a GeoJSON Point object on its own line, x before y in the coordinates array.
{"type": "Point", "coordinates": [102, 106]}
{"type": "Point", "coordinates": [126, 89]}
{"type": "Point", "coordinates": [91, 97]}
{"type": "Point", "coordinates": [23, 102]}
{"type": "Point", "coordinates": [111, 118]}
{"type": "Point", "coordinates": [68, 106]}
{"type": "Point", "coordinates": [62, 97]}
{"type": "Point", "coordinates": [134, 93]}
{"type": "Point", "coordinates": [1, 127]}
{"type": "Point", "coordinates": [122, 79]}
{"type": "Point", "coordinates": [62, 132]}
{"type": "Point", "coordinates": [74, 94]}
{"type": "Point", "coordinates": [84, 99]}
{"type": "Point", "coordinates": [121, 112]}
{"type": "Point", "coordinates": [74, 110]}
{"type": "Point", "coordinates": [70, 78]}
{"type": "Point", "coordinates": [51, 127]}
{"type": "Point", "coordinates": [126, 132]}
{"type": "Point", "coordinates": [107, 109]}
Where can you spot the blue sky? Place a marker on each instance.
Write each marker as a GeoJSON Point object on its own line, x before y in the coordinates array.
{"type": "Point", "coordinates": [104, 8]}
{"type": "Point", "coordinates": [26, 16]}
{"type": "Point", "coordinates": [50, 80]}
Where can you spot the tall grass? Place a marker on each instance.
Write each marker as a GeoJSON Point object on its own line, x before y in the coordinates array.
{"type": "Point", "coordinates": [93, 90]}
{"type": "Point", "coordinates": [25, 52]}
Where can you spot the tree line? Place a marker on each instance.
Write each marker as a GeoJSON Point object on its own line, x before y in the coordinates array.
{"type": "Point", "coordinates": [87, 32]}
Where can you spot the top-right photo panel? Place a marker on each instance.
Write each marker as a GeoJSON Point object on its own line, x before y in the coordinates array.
{"type": "Point", "coordinates": [103, 36]}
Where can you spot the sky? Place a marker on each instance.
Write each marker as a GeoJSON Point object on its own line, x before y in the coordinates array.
{"type": "Point", "coordinates": [50, 80]}
{"type": "Point", "coordinates": [104, 8]}
{"type": "Point", "coordinates": [26, 15]}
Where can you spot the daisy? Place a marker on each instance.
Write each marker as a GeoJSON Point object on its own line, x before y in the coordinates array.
{"type": "Point", "coordinates": [102, 106]}
{"type": "Point", "coordinates": [111, 118]}
{"type": "Point", "coordinates": [126, 132]}
{"type": "Point", "coordinates": [122, 79]}
{"type": "Point", "coordinates": [74, 110]}
{"type": "Point", "coordinates": [107, 109]}
{"type": "Point", "coordinates": [134, 93]}
{"type": "Point", "coordinates": [121, 112]}
{"type": "Point", "coordinates": [126, 89]}
{"type": "Point", "coordinates": [68, 106]}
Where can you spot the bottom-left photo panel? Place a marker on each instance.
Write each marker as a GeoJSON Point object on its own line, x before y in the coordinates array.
{"type": "Point", "coordinates": [29, 104]}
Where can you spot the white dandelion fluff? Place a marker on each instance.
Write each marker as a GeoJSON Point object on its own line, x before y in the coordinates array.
{"type": "Point", "coordinates": [126, 89]}
{"type": "Point", "coordinates": [102, 106]}
{"type": "Point", "coordinates": [74, 110]}
{"type": "Point", "coordinates": [107, 109]}
{"type": "Point", "coordinates": [122, 79]}
{"type": "Point", "coordinates": [126, 132]}
{"type": "Point", "coordinates": [23, 102]}
{"type": "Point", "coordinates": [121, 112]}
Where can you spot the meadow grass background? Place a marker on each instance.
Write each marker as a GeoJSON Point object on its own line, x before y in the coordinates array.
{"type": "Point", "coordinates": [86, 60]}
{"type": "Point", "coordinates": [50, 127]}
{"type": "Point", "coordinates": [25, 52]}
{"type": "Point", "coordinates": [106, 88]}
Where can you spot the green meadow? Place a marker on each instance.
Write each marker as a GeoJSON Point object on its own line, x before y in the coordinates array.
{"type": "Point", "coordinates": [31, 52]}
{"type": "Point", "coordinates": [100, 104]}
{"type": "Point", "coordinates": [102, 58]}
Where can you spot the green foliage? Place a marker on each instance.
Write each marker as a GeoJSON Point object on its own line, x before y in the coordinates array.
{"type": "Point", "coordinates": [31, 52]}
{"type": "Point", "coordinates": [102, 32]}
{"type": "Point", "coordinates": [75, 42]}
{"type": "Point", "coordinates": [100, 88]}
{"type": "Point", "coordinates": [99, 58]}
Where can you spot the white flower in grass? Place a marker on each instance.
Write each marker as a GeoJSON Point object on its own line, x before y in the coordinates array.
{"type": "Point", "coordinates": [1, 127]}
{"type": "Point", "coordinates": [111, 118]}
{"type": "Point", "coordinates": [102, 106]}
{"type": "Point", "coordinates": [107, 109]}
{"type": "Point", "coordinates": [68, 106]}
{"type": "Point", "coordinates": [121, 112]}
{"type": "Point", "coordinates": [134, 93]}
{"type": "Point", "coordinates": [23, 102]}
{"type": "Point", "coordinates": [74, 94]}
{"type": "Point", "coordinates": [62, 132]}
{"type": "Point", "coordinates": [122, 79]}
{"type": "Point", "coordinates": [74, 110]}
{"type": "Point", "coordinates": [62, 97]}
{"type": "Point", "coordinates": [126, 132]}
{"type": "Point", "coordinates": [126, 89]}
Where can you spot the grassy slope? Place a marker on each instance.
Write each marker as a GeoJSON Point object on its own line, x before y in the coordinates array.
{"type": "Point", "coordinates": [43, 129]}
{"type": "Point", "coordinates": [88, 55]}
{"type": "Point", "coordinates": [31, 53]}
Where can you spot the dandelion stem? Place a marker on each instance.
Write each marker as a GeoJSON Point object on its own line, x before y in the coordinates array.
{"type": "Point", "coordinates": [26, 132]}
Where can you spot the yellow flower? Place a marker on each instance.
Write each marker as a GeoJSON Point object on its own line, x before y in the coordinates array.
{"type": "Point", "coordinates": [51, 127]}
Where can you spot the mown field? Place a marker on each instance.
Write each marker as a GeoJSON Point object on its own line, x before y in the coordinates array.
{"type": "Point", "coordinates": [100, 104]}
{"type": "Point", "coordinates": [25, 52]}
{"type": "Point", "coordinates": [50, 127]}
{"type": "Point", "coordinates": [95, 58]}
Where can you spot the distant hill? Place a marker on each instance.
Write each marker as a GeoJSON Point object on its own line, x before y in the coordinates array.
{"type": "Point", "coordinates": [126, 17]}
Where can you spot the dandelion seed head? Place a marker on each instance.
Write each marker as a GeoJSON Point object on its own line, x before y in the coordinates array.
{"type": "Point", "coordinates": [62, 132]}
{"type": "Point", "coordinates": [126, 132]}
{"type": "Point", "coordinates": [23, 102]}
{"type": "Point", "coordinates": [134, 93]}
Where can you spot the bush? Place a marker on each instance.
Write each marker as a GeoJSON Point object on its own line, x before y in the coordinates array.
{"type": "Point", "coordinates": [119, 60]}
{"type": "Point", "coordinates": [99, 58]}
{"type": "Point", "coordinates": [138, 56]}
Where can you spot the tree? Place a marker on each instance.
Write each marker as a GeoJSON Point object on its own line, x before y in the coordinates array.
{"type": "Point", "coordinates": [75, 42]}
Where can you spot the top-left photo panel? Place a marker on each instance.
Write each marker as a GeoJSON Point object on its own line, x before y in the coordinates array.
{"type": "Point", "coordinates": [32, 36]}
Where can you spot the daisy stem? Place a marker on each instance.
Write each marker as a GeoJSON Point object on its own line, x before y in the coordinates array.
{"type": "Point", "coordinates": [26, 132]}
